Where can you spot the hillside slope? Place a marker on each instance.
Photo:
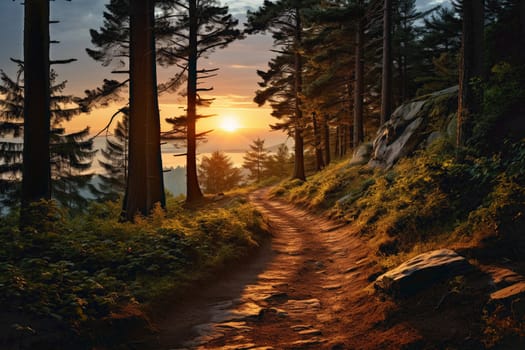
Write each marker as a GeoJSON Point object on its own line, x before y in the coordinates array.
{"type": "Point", "coordinates": [434, 196]}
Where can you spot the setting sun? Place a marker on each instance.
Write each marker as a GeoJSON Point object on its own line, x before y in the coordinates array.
{"type": "Point", "coordinates": [229, 124]}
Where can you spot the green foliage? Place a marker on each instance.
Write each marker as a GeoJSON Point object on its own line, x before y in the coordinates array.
{"type": "Point", "coordinates": [86, 268]}
{"type": "Point", "coordinates": [502, 109]}
{"type": "Point", "coordinates": [424, 201]}
{"type": "Point", "coordinates": [218, 174]}
{"type": "Point", "coordinates": [254, 160]}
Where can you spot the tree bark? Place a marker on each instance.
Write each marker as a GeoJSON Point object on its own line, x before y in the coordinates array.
{"type": "Point", "coordinates": [326, 141]}
{"type": "Point", "coordinates": [36, 171]}
{"type": "Point", "coordinates": [319, 162]}
{"type": "Point", "coordinates": [386, 86]}
{"type": "Point", "coordinates": [193, 191]}
{"type": "Point", "coordinates": [471, 68]}
{"type": "Point", "coordinates": [359, 84]}
{"type": "Point", "coordinates": [298, 172]}
{"type": "Point", "coordinates": [145, 184]}
{"type": "Point", "coordinates": [521, 10]}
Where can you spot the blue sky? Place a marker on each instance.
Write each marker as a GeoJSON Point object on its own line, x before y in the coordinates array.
{"type": "Point", "coordinates": [238, 63]}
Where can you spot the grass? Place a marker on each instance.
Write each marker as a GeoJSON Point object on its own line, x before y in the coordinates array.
{"type": "Point", "coordinates": [84, 270]}
{"type": "Point", "coordinates": [428, 201]}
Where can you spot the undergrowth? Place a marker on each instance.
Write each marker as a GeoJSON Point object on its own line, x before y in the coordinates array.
{"type": "Point", "coordinates": [91, 267]}
{"type": "Point", "coordinates": [426, 201]}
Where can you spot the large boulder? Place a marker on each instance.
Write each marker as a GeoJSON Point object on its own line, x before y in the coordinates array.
{"type": "Point", "coordinates": [421, 272]}
{"type": "Point", "coordinates": [362, 154]}
{"type": "Point", "coordinates": [414, 125]}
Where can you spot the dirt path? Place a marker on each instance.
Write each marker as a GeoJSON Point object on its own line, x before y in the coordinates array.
{"type": "Point", "coordinates": [306, 291]}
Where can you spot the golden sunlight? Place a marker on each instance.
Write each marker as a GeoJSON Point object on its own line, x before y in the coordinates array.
{"type": "Point", "coordinates": [229, 123]}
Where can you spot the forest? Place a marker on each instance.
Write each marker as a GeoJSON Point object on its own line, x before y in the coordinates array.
{"type": "Point", "coordinates": [408, 154]}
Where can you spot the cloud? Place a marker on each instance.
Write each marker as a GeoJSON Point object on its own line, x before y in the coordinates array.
{"type": "Point", "coordinates": [242, 66]}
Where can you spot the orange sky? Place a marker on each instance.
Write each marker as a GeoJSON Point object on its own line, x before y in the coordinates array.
{"type": "Point", "coordinates": [234, 86]}
{"type": "Point", "coordinates": [234, 89]}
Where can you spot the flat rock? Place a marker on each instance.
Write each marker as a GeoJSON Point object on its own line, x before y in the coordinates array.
{"type": "Point", "coordinates": [332, 287]}
{"type": "Point", "coordinates": [301, 327]}
{"type": "Point", "coordinates": [502, 277]}
{"type": "Point", "coordinates": [509, 293]}
{"type": "Point", "coordinates": [276, 297]}
{"type": "Point", "coordinates": [303, 305]}
{"type": "Point", "coordinates": [275, 311]}
{"type": "Point", "coordinates": [245, 346]}
{"type": "Point", "coordinates": [246, 311]}
{"type": "Point", "coordinates": [310, 332]}
{"type": "Point", "coordinates": [305, 343]}
{"type": "Point", "coordinates": [422, 271]}
{"type": "Point", "coordinates": [240, 326]}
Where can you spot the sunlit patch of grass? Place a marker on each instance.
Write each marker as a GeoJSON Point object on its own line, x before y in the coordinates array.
{"type": "Point", "coordinates": [425, 202]}
{"type": "Point", "coordinates": [92, 265]}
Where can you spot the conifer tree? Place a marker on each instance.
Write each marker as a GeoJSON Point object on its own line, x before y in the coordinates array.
{"type": "Point", "coordinates": [285, 20]}
{"type": "Point", "coordinates": [115, 160]}
{"type": "Point", "coordinates": [471, 68]}
{"type": "Point", "coordinates": [201, 27]}
{"type": "Point", "coordinates": [254, 159]}
{"type": "Point", "coordinates": [218, 174]}
{"type": "Point", "coordinates": [36, 171]}
{"type": "Point", "coordinates": [127, 40]}
{"type": "Point", "coordinates": [386, 81]}
{"type": "Point", "coordinates": [70, 154]}
{"type": "Point", "coordinates": [279, 164]}
{"type": "Point", "coordinates": [145, 184]}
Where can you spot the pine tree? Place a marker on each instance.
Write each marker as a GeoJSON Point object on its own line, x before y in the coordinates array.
{"type": "Point", "coordinates": [386, 82]}
{"type": "Point", "coordinates": [471, 68]}
{"type": "Point", "coordinates": [115, 161]}
{"type": "Point", "coordinates": [218, 174]}
{"type": "Point", "coordinates": [201, 27]}
{"type": "Point", "coordinates": [36, 171]}
{"type": "Point", "coordinates": [11, 125]}
{"type": "Point", "coordinates": [70, 154]}
{"type": "Point", "coordinates": [254, 160]}
{"type": "Point", "coordinates": [145, 184]}
{"type": "Point", "coordinates": [279, 164]}
{"type": "Point", "coordinates": [285, 20]}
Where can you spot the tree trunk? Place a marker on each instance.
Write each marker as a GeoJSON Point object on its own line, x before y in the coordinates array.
{"type": "Point", "coordinates": [145, 185]}
{"type": "Point", "coordinates": [319, 162]}
{"type": "Point", "coordinates": [386, 86]}
{"type": "Point", "coordinates": [522, 28]}
{"type": "Point", "coordinates": [471, 68]}
{"type": "Point", "coordinates": [359, 84]}
{"type": "Point", "coordinates": [298, 172]}
{"type": "Point", "coordinates": [326, 141]}
{"type": "Point", "coordinates": [36, 171]}
{"type": "Point", "coordinates": [193, 191]}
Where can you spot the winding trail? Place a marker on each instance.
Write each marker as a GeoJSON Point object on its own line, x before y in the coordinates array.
{"type": "Point", "coordinates": [305, 290]}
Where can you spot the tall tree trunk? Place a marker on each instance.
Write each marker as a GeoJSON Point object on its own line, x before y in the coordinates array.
{"type": "Point", "coordinates": [319, 162]}
{"type": "Point", "coordinates": [521, 9]}
{"type": "Point", "coordinates": [359, 83]}
{"type": "Point", "coordinates": [298, 172]}
{"type": "Point", "coordinates": [193, 191]}
{"type": "Point", "coordinates": [337, 150]}
{"type": "Point", "coordinates": [386, 86]}
{"type": "Point", "coordinates": [326, 141]}
{"type": "Point", "coordinates": [471, 68]}
{"type": "Point", "coordinates": [36, 171]}
{"type": "Point", "coordinates": [145, 185]}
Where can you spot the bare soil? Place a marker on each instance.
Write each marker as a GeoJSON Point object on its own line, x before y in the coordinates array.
{"type": "Point", "coordinates": [310, 288]}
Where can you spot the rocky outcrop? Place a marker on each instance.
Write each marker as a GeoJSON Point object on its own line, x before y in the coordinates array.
{"type": "Point", "coordinates": [421, 272]}
{"type": "Point", "coordinates": [414, 125]}
{"type": "Point", "coordinates": [362, 154]}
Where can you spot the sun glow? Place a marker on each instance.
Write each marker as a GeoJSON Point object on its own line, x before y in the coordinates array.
{"type": "Point", "coordinates": [229, 124]}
